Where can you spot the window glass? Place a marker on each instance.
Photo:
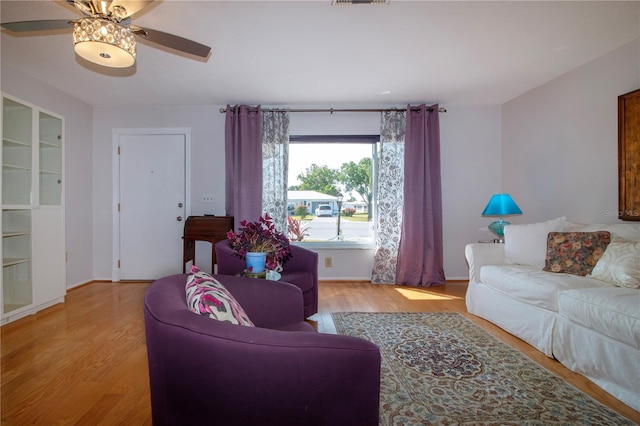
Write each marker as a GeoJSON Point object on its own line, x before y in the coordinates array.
{"type": "Point", "coordinates": [330, 197]}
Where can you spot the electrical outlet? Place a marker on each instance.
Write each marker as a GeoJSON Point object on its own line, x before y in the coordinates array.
{"type": "Point", "coordinates": [328, 262]}
{"type": "Point", "coordinates": [207, 198]}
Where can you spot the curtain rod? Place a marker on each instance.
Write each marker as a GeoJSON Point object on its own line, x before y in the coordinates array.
{"type": "Point", "coordinates": [332, 110]}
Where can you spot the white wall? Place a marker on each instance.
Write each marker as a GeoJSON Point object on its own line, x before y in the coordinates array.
{"type": "Point", "coordinates": [560, 141]}
{"type": "Point", "coordinates": [207, 165]}
{"type": "Point", "coordinates": [78, 172]}
{"type": "Point", "coordinates": [339, 123]}
{"type": "Point", "coordinates": [470, 144]}
{"type": "Point", "coordinates": [470, 140]}
{"type": "Point", "coordinates": [207, 148]}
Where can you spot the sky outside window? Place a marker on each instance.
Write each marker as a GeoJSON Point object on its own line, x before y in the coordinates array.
{"type": "Point", "coordinates": [332, 155]}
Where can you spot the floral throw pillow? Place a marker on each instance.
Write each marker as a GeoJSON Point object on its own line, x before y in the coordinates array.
{"type": "Point", "coordinates": [207, 296]}
{"type": "Point", "coordinates": [575, 252]}
{"type": "Point", "coordinates": [620, 264]}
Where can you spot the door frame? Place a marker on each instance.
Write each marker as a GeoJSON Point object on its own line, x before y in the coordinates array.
{"type": "Point", "coordinates": [116, 135]}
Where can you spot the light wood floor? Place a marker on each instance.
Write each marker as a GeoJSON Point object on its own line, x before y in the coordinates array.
{"type": "Point", "coordinates": [84, 362]}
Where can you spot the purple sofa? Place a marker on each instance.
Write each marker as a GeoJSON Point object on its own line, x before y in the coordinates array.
{"type": "Point", "coordinates": [281, 372]}
{"type": "Point", "coordinates": [301, 270]}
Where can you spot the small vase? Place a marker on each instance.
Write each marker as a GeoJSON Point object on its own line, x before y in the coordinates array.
{"type": "Point", "coordinates": [256, 261]}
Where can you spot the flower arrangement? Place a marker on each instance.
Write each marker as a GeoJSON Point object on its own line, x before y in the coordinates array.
{"type": "Point", "coordinates": [261, 236]}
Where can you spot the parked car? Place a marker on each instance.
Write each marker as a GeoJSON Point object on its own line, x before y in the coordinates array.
{"type": "Point", "coordinates": [324, 210]}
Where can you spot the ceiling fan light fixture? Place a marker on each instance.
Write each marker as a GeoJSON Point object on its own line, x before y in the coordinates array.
{"type": "Point", "coordinates": [104, 42]}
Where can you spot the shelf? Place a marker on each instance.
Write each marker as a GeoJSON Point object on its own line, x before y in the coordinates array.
{"type": "Point", "coordinates": [10, 261]}
{"type": "Point", "coordinates": [14, 206]}
{"type": "Point", "coordinates": [14, 167]}
{"type": "Point", "coordinates": [14, 143]}
{"type": "Point", "coordinates": [8, 234]}
{"type": "Point", "coordinates": [50, 172]}
{"type": "Point", "coordinates": [50, 145]}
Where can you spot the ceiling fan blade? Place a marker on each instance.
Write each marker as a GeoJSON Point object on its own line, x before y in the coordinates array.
{"type": "Point", "coordinates": [172, 41]}
{"type": "Point", "coordinates": [46, 25]}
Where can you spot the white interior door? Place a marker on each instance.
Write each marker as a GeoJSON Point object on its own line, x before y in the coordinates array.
{"type": "Point", "coordinates": [152, 194]}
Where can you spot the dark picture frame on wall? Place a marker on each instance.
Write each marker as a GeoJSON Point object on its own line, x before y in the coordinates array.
{"type": "Point", "coordinates": [629, 156]}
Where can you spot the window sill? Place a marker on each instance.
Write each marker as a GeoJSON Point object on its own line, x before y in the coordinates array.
{"type": "Point", "coordinates": [335, 245]}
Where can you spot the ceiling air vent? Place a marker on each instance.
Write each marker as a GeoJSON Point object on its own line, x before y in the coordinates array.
{"type": "Point", "coordinates": [334, 2]}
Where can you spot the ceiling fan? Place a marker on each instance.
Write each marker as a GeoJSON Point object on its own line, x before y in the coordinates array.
{"type": "Point", "coordinates": [105, 35]}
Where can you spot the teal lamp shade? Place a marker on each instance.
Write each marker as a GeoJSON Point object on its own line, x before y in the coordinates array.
{"type": "Point", "coordinates": [500, 205]}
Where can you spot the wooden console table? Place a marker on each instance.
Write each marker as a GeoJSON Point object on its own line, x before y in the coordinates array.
{"type": "Point", "coordinates": [204, 228]}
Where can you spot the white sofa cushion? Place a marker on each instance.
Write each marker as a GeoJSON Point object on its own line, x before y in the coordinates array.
{"type": "Point", "coordinates": [626, 231]}
{"type": "Point", "coordinates": [611, 311]}
{"type": "Point", "coordinates": [532, 285]}
{"type": "Point", "coordinates": [527, 244]}
{"type": "Point", "coordinates": [619, 264]}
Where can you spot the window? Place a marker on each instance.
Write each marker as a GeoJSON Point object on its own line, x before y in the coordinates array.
{"type": "Point", "coordinates": [321, 169]}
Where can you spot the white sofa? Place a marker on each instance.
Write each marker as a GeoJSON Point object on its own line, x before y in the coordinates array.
{"type": "Point", "coordinates": [591, 324]}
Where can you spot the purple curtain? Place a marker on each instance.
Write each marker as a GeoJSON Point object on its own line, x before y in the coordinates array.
{"type": "Point", "coordinates": [420, 257]}
{"type": "Point", "coordinates": [243, 163]}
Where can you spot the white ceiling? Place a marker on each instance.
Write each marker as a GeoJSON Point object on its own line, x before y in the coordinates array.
{"type": "Point", "coordinates": [314, 53]}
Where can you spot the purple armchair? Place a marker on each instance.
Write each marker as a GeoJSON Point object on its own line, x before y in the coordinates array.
{"type": "Point", "coordinates": [281, 372]}
{"type": "Point", "coordinates": [301, 270]}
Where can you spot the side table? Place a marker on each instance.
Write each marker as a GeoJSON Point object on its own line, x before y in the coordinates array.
{"type": "Point", "coordinates": [265, 275]}
{"type": "Point", "coordinates": [248, 274]}
{"type": "Point", "coordinates": [203, 228]}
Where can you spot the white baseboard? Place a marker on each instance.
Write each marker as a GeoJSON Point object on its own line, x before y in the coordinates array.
{"type": "Point", "coordinates": [369, 278]}
{"type": "Point", "coordinates": [78, 284]}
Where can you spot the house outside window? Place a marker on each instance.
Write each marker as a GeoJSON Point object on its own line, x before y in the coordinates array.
{"type": "Point", "coordinates": [310, 199]}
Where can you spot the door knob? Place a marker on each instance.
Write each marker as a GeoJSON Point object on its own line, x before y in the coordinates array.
{"type": "Point", "coordinates": [180, 205]}
{"type": "Point", "coordinates": [179, 218]}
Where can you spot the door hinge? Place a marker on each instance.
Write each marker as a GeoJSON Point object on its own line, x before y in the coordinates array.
{"type": "Point", "coordinates": [118, 150]}
{"type": "Point", "coordinates": [118, 206]}
{"type": "Point", "coordinates": [118, 263]}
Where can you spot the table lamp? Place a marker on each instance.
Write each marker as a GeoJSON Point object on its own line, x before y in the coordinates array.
{"type": "Point", "coordinates": [500, 205]}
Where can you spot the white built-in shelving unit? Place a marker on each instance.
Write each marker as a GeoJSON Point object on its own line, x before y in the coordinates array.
{"type": "Point", "coordinates": [33, 249]}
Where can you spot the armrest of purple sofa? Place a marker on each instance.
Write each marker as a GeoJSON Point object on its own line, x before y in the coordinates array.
{"type": "Point", "coordinates": [269, 304]}
{"type": "Point", "coordinates": [302, 259]}
{"type": "Point", "coordinates": [204, 371]}
{"type": "Point", "coordinates": [228, 262]}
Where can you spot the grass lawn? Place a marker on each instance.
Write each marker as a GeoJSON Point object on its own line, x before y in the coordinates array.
{"type": "Point", "coordinates": [307, 218]}
{"type": "Point", "coordinates": [357, 217]}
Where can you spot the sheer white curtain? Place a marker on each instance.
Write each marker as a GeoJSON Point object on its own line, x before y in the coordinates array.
{"type": "Point", "coordinates": [275, 162]}
{"type": "Point", "coordinates": [390, 196]}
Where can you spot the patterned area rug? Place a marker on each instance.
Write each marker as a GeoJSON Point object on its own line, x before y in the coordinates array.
{"type": "Point", "coordinates": [439, 368]}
